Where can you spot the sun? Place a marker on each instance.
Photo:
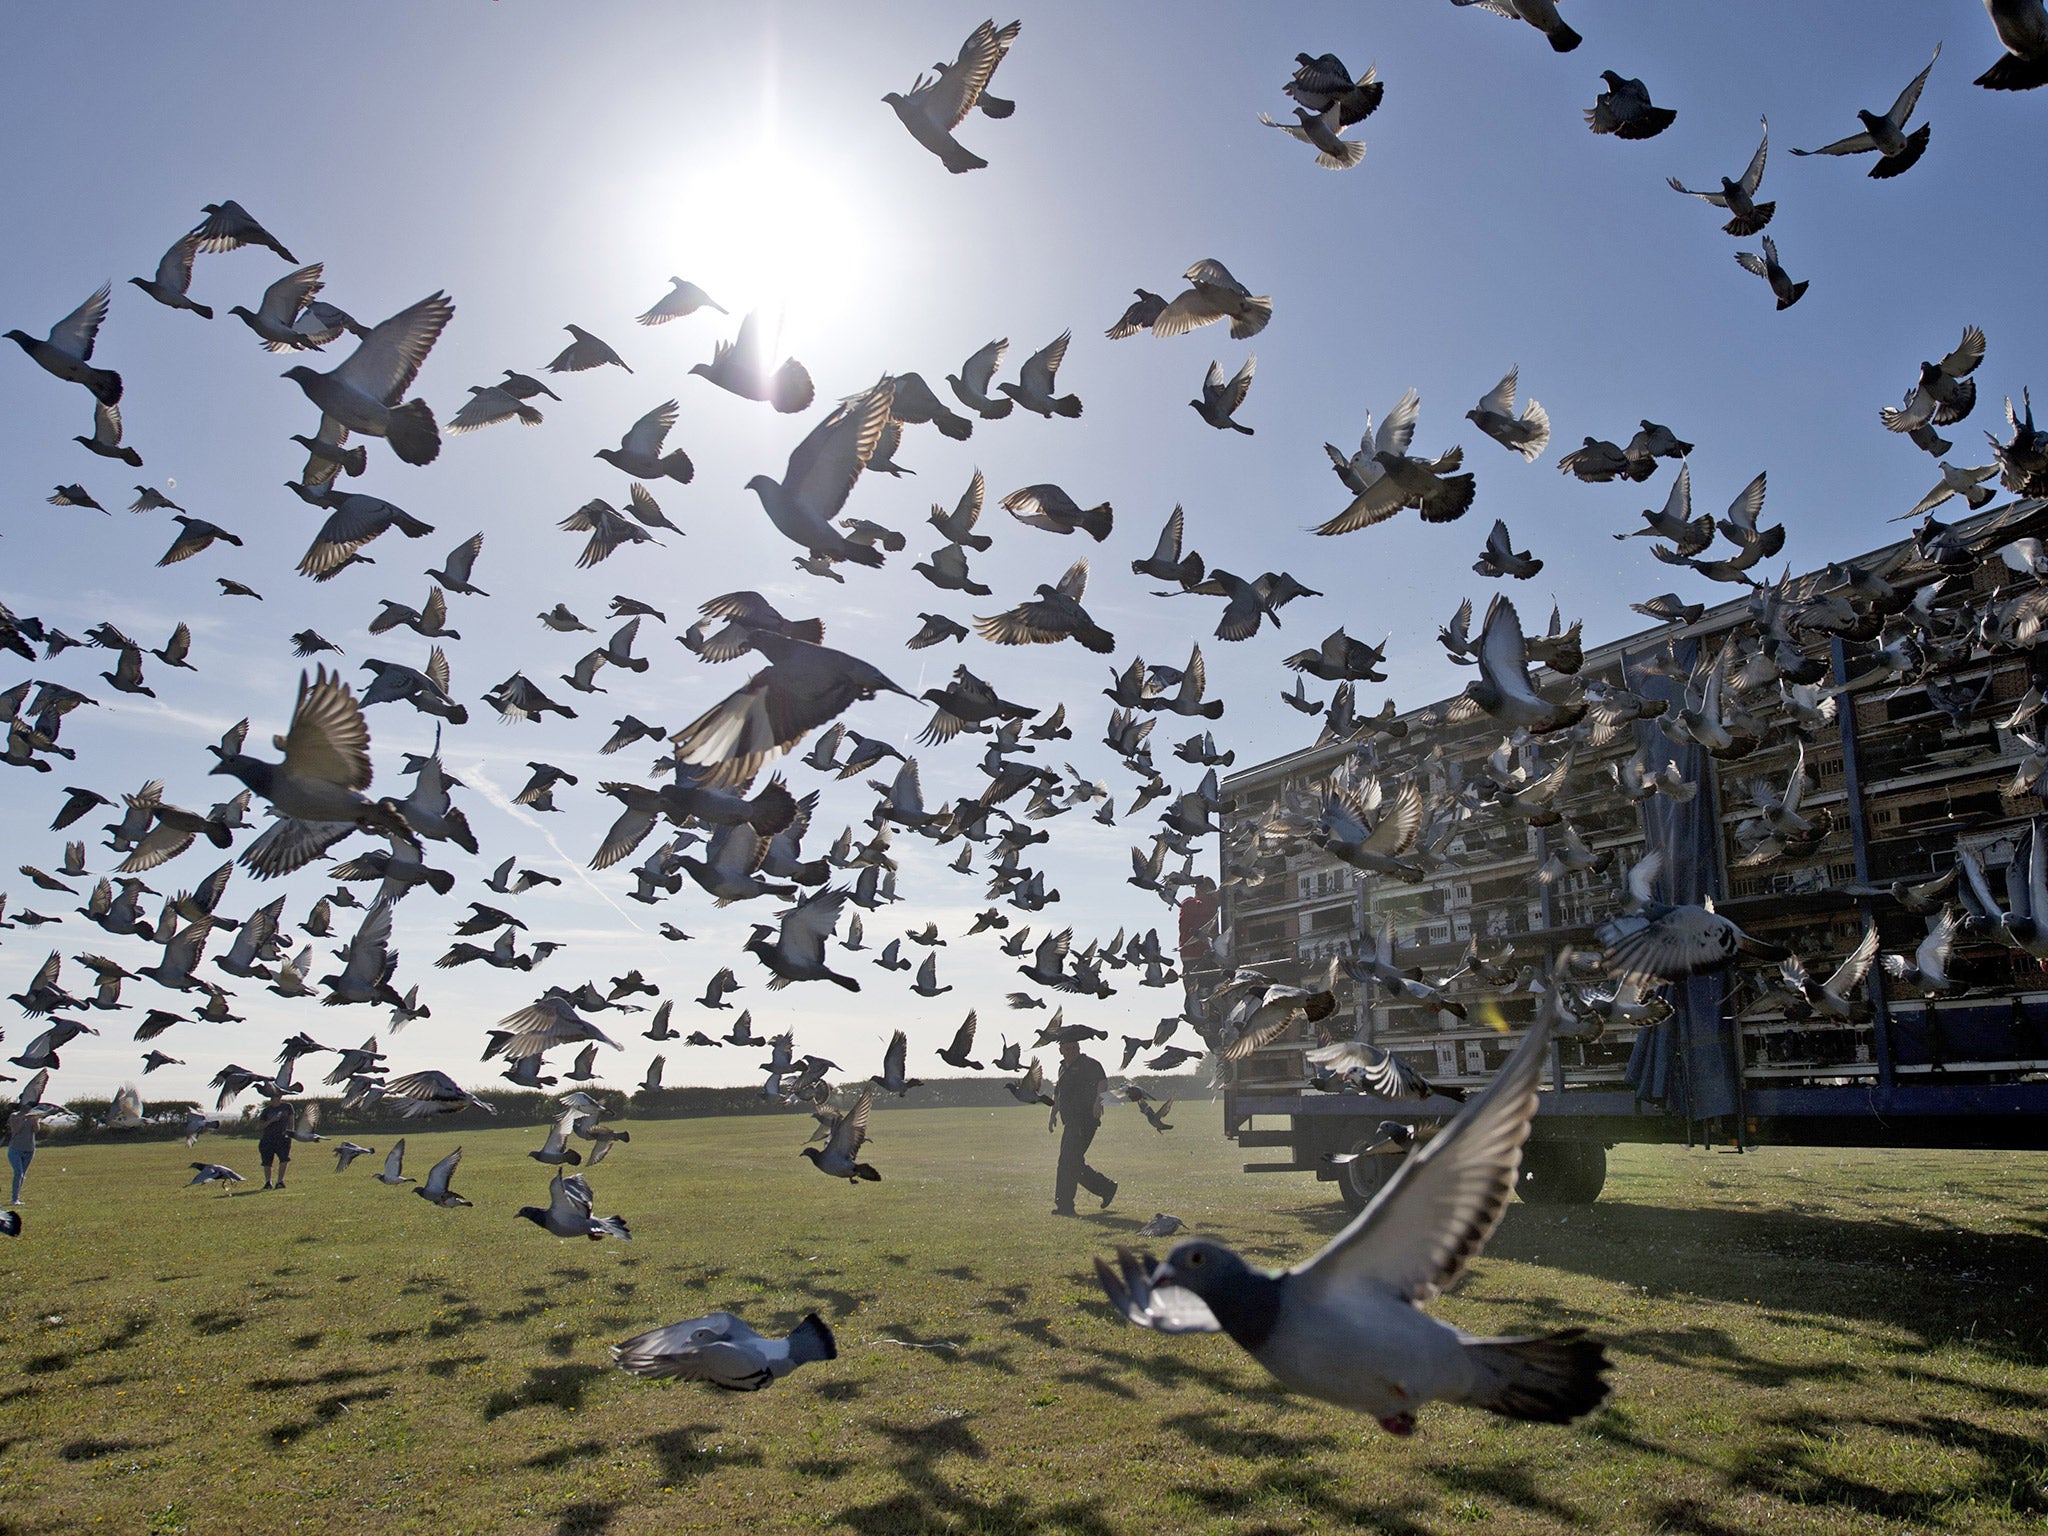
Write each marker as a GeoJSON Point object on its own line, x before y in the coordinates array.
{"type": "Point", "coordinates": [761, 229]}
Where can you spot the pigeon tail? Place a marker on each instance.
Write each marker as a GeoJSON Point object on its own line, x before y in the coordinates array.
{"type": "Point", "coordinates": [411, 430]}
{"type": "Point", "coordinates": [1549, 1380]}
{"type": "Point", "coordinates": [1067, 405]}
{"type": "Point", "coordinates": [1889, 166]}
{"type": "Point", "coordinates": [1793, 298]}
{"type": "Point", "coordinates": [2013, 73]}
{"type": "Point", "coordinates": [1750, 223]}
{"type": "Point", "coordinates": [1563, 39]}
{"type": "Point", "coordinates": [812, 1341]}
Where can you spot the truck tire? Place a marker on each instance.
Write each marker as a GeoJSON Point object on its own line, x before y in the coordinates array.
{"type": "Point", "coordinates": [1361, 1179]}
{"type": "Point", "coordinates": [1562, 1172]}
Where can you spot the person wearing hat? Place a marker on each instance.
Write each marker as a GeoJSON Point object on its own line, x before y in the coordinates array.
{"type": "Point", "coordinates": [1077, 1106]}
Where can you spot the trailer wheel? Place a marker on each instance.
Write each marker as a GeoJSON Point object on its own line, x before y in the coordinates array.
{"type": "Point", "coordinates": [1363, 1177]}
{"type": "Point", "coordinates": [1562, 1172]}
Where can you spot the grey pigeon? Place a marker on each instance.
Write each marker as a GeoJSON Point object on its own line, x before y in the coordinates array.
{"type": "Point", "coordinates": [1344, 1326]}
{"type": "Point", "coordinates": [720, 1349]}
{"type": "Point", "coordinates": [363, 393]}
{"type": "Point", "coordinates": [1886, 134]}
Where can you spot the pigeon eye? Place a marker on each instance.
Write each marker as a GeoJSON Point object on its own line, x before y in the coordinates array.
{"type": "Point", "coordinates": [1197, 1259]}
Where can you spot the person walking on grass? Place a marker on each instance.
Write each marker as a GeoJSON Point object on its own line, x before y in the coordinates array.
{"type": "Point", "coordinates": [21, 1147]}
{"type": "Point", "coordinates": [1077, 1106]}
{"type": "Point", "coordinates": [274, 1140]}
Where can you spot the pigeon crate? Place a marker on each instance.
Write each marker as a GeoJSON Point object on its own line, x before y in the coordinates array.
{"type": "Point", "coordinates": [2000, 1034]}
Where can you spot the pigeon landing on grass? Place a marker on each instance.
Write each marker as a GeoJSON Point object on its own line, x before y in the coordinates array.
{"type": "Point", "coordinates": [720, 1349]}
{"type": "Point", "coordinates": [1344, 1327]}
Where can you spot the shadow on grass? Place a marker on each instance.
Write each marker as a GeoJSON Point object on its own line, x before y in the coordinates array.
{"type": "Point", "coordinates": [326, 1410]}
{"type": "Point", "coordinates": [124, 1334]}
{"type": "Point", "coordinates": [682, 1458]}
{"type": "Point", "coordinates": [546, 1386]}
{"type": "Point", "coordinates": [94, 1450]}
{"type": "Point", "coordinates": [592, 1519]}
{"type": "Point", "coordinates": [930, 1501]}
{"type": "Point", "coordinates": [1770, 1257]}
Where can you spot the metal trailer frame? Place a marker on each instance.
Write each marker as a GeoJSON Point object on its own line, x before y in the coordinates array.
{"type": "Point", "coordinates": [1968, 1073]}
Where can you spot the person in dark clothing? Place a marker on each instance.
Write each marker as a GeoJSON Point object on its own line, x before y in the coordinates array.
{"type": "Point", "coordinates": [274, 1140]}
{"type": "Point", "coordinates": [1077, 1105]}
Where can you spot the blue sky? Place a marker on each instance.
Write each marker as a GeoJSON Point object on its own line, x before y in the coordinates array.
{"type": "Point", "coordinates": [553, 164]}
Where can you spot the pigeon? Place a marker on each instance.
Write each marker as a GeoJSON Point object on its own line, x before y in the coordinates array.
{"type": "Point", "coordinates": [106, 437]}
{"type": "Point", "coordinates": [436, 1190]}
{"type": "Point", "coordinates": [1766, 267]}
{"type": "Point", "coordinates": [1320, 131]}
{"type": "Point", "coordinates": [362, 394]}
{"type": "Point", "coordinates": [820, 476]}
{"type": "Point", "coordinates": [1944, 394]}
{"type": "Point", "coordinates": [1213, 294]}
{"type": "Point", "coordinates": [1527, 434]}
{"type": "Point", "coordinates": [347, 1152]}
{"type": "Point", "coordinates": [1054, 616]}
{"type": "Point", "coordinates": [935, 629]}
{"type": "Point", "coordinates": [683, 298]}
{"type": "Point", "coordinates": [1504, 689]}
{"type": "Point", "coordinates": [1035, 382]}
{"type": "Point", "coordinates": [1137, 316]}
{"type": "Point", "coordinates": [1166, 563]}
{"type": "Point", "coordinates": [568, 1213]}
{"type": "Point", "coordinates": [1344, 1327]}
{"type": "Point", "coordinates": [1662, 942]}
{"type": "Point", "coordinates": [892, 1078]}
{"type": "Point", "coordinates": [1221, 400]}
{"type": "Point", "coordinates": [955, 1054]}
{"type": "Point", "coordinates": [1501, 558]}
{"type": "Point", "coordinates": [1746, 216]}
{"type": "Point", "coordinates": [1624, 110]}
{"type": "Point", "coordinates": [639, 452]}
{"type": "Point", "coordinates": [1050, 508]}
{"type": "Point", "coordinates": [746, 367]}
{"type": "Point", "coordinates": [935, 105]}
{"type": "Point", "coordinates": [1540, 14]}
{"type": "Point", "coordinates": [291, 318]}
{"type": "Point", "coordinates": [803, 687]}
{"type": "Point", "coordinates": [970, 385]}
{"type": "Point", "coordinates": [489, 404]}
{"type": "Point", "coordinates": [214, 1173]}
{"type": "Point", "coordinates": [174, 277]}
{"type": "Point", "coordinates": [1897, 151]}
{"type": "Point", "coordinates": [583, 353]}
{"type": "Point", "coordinates": [838, 1158]}
{"type": "Point", "coordinates": [1161, 1225]}
{"type": "Point", "coordinates": [2022, 27]}
{"type": "Point", "coordinates": [1387, 478]}
{"type": "Point", "coordinates": [317, 791]}
{"type": "Point", "coordinates": [67, 353]}
{"type": "Point", "coordinates": [229, 226]}
{"type": "Point", "coordinates": [720, 1349]}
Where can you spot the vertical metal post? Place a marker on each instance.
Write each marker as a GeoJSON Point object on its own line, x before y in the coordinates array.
{"type": "Point", "coordinates": [1859, 844]}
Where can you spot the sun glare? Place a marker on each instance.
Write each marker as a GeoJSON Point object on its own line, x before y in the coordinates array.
{"type": "Point", "coordinates": [764, 230]}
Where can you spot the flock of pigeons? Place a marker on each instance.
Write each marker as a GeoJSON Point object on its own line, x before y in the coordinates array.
{"type": "Point", "coordinates": [1344, 1326]}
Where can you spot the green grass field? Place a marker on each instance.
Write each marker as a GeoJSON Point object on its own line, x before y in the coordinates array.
{"type": "Point", "coordinates": [1804, 1341]}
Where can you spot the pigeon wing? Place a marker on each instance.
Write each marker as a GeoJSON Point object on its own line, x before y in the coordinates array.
{"type": "Point", "coordinates": [386, 361]}
{"type": "Point", "coordinates": [1439, 1209]}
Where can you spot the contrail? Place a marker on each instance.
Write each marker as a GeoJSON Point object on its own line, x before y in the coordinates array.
{"type": "Point", "coordinates": [500, 800]}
